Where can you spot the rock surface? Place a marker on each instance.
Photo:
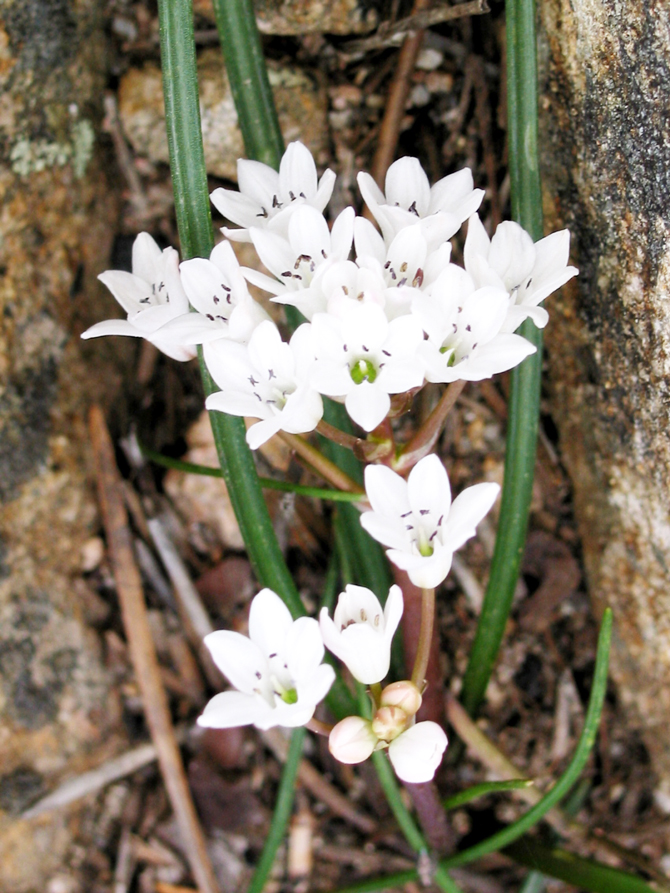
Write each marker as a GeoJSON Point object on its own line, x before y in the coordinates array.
{"type": "Point", "coordinates": [57, 713]}
{"type": "Point", "coordinates": [605, 135]}
{"type": "Point", "coordinates": [306, 16]}
{"type": "Point", "coordinates": [302, 107]}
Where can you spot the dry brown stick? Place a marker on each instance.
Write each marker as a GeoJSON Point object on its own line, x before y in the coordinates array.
{"type": "Point", "coordinates": [500, 765]}
{"type": "Point", "coordinates": [389, 34]}
{"type": "Point", "coordinates": [143, 653]}
{"type": "Point", "coordinates": [318, 786]}
{"type": "Point", "coordinates": [89, 782]}
{"type": "Point", "coordinates": [395, 104]}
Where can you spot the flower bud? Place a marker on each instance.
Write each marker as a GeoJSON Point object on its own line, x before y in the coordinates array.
{"type": "Point", "coordinates": [389, 722]}
{"type": "Point", "coordinates": [352, 740]}
{"type": "Point", "coordinates": [402, 694]}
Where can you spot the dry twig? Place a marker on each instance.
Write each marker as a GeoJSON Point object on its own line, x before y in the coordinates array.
{"type": "Point", "coordinates": [143, 652]}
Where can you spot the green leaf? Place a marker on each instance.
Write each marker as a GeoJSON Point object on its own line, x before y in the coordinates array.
{"type": "Point", "coordinates": [524, 403]}
{"type": "Point", "coordinates": [282, 812]}
{"type": "Point", "coordinates": [481, 790]}
{"type": "Point", "coordinates": [587, 874]}
{"type": "Point", "coordinates": [266, 483]}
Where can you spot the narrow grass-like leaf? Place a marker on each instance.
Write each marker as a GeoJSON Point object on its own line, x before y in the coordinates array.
{"type": "Point", "coordinates": [249, 81]}
{"type": "Point", "coordinates": [282, 812]}
{"type": "Point", "coordinates": [266, 483]}
{"type": "Point", "coordinates": [524, 405]}
{"type": "Point", "coordinates": [508, 835]}
{"type": "Point", "coordinates": [481, 790]}
{"type": "Point", "coordinates": [195, 230]}
{"type": "Point", "coordinates": [587, 874]}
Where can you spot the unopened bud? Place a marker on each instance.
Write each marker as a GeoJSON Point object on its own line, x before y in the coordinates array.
{"type": "Point", "coordinates": [402, 694]}
{"type": "Point", "coordinates": [389, 722]}
{"type": "Point", "coordinates": [352, 740]}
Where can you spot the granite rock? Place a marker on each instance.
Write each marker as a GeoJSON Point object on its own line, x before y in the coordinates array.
{"type": "Point", "coordinates": [302, 107]}
{"type": "Point", "coordinates": [605, 139]}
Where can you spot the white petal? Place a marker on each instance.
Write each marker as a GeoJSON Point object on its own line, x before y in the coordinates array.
{"type": "Point", "coordinates": [417, 753]}
{"type": "Point", "coordinates": [239, 659]}
{"type": "Point", "coordinates": [112, 327]}
{"type": "Point", "coordinates": [269, 622]}
{"type": "Point", "coordinates": [367, 240]}
{"type": "Point", "coordinates": [367, 405]}
{"type": "Point", "coordinates": [237, 208]}
{"type": "Point", "coordinates": [304, 648]}
{"type": "Point", "coordinates": [129, 290]}
{"type": "Point", "coordinates": [147, 257]}
{"type": "Point", "coordinates": [231, 709]}
{"type": "Point", "coordinates": [393, 611]}
{"type": "Point", "coordinates": [386, 531]}
{"type": "Point", "coordinates": [425, 572]}
{"type": "Point", "coordinates": [259, 433]}
{"type": "Point", "coordinates": [297, 171]}
{"type": "Point", "coordinates": [428, 487]}
{"type": "Point", "coordinates": [407, 185]}
{"type": "Point", "coordinates": [325, 190]}
{"type": "Point", "coordinates": [387, 491]}
{"type": "Point", "coordinates": [467, 511]}
{"type": "Point", "coordinates": [258, 181]}
{"type": "Point", "coordinates": [503, 353]}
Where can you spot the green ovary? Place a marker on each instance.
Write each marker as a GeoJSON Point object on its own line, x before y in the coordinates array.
{"type": "Point", "coordinates": [290, 696]}
{"type": "Point", "coordinates": [363, 370]}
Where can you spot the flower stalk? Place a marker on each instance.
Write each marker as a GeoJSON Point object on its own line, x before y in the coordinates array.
{"type": "Point", "coordinates": [427, 436]}
{"type": "Point", "coordinates": [425, 637]}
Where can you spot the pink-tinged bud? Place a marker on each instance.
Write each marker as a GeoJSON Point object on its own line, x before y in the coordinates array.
{"type": "Point", "coordinates": [402, 694]}
{"type": "Point", "coordinates": [389, 722]}
{"type": "Point", "coordinates": [352, 740]}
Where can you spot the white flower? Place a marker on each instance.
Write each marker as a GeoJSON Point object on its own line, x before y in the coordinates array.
{"type": "Point", "coordinates": [361, 633]}
{"type": "Point", "coordinates": [417, 753]}
{"type": "Point", "coordinates": [300, 260]}
{"type": "Point", "coordinates": [409, 195]}
{"type": "Point", "coordinates": [417, 520]}
{"type": "Point", "coordinates": [463, 325]}
{"type": "Point", "coordinates": [265, 379]}
{"type": "Point", "coordinates": [405, 266]}
{"type": "Point", "coordinates": [362, 357]}
{"type": "Point", "coordinates": [266, 196]}
{"type": "Point", "coordinates": [528, 271]}
{"type": "Point", "coordinates": [277, 671]}
{"type": "Point", "coordinates": [218, 292]}
{"type": "Point", "coordinates": [152, 296]}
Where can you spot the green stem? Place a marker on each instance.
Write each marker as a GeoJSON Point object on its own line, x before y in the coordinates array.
{"type": "Point", "coordinates": [249, 80]}
{"type": "Point", "coordinates": [189, 179]}
{"type": "Point", "coordinates": [524, 404]}
{"type": "Point", "coordinates": [282, 812]}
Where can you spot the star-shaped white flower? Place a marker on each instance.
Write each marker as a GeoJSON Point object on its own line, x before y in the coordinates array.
{"type": "Point", "coordinates": [267, 197]}
{"type": "Point", "coordinates": [463, 325]}
{"type": "Point", "coordinates": [218, 293]}
{"type": "Point", "coordinates": [408, 195]}
{"type": "Point", "coordinates": [528, 271]}
{"type": "Point", "coordinates": [300, 260]}
{"type": "Point", "coordinates": [417, 520]}
{"type": "Point", "coordinates": [361, 632]}
{"type": "Point", "coordinates": [277, 672]}
{"type": "Point", "coordinates": [362, 358]}
{"type": "Point", "coordinates": [265, 379]}
{"type": "Point", "coordinates": [152, 296]}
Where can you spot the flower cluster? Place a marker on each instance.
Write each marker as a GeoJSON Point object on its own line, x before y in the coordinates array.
{"type": "Point", "coordinates": [386, 311]}
{"type": "Point", "coordinates": [399, 314]}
